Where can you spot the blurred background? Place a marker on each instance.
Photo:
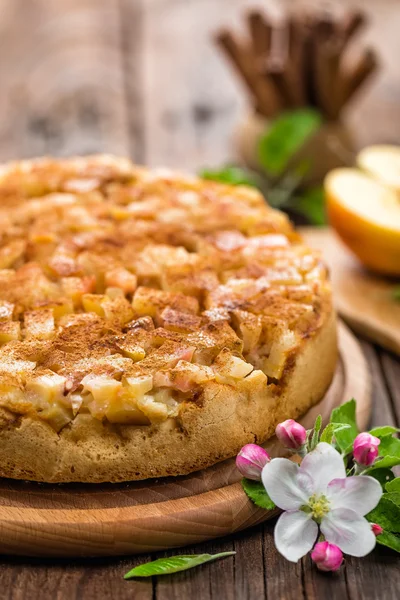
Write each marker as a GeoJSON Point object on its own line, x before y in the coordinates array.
{"type": "Point", "coordinates": [145, 78]}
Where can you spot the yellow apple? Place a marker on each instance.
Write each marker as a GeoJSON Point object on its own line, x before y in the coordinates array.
{"type": "Point", "coordinates": [382, 163]}
{"type": "Point", "coordinates": [366, 215]}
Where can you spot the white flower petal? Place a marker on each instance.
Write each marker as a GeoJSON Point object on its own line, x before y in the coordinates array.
{"type": "Point", "coordinates": [279, 478]}
{"type": "Point", "coordinates": [348, 530]}
{"type": "Point", "coordinates": [361, 493]}
{"type": "Point", "coordinates": [295, 534]}
{"type": "Point", "coordinates": [323, 464]}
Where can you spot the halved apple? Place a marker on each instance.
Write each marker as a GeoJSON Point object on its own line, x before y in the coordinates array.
{"type": "Point", "coordinates": [382, 163]}
{"type": "Point", "coordinates": [366, 215]}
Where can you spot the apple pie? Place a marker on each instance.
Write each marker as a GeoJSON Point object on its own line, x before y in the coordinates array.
{"type": "Point", "coordinates": [151, 322]}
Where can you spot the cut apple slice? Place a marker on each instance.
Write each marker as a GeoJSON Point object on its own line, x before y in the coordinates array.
{"type": "Point", "coordinates": [383, 163]}
{"type": "Point", "coordinates": [366, 215]}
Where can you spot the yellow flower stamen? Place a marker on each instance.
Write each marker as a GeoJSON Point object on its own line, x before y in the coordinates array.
{"type": "Point", "coordinates": [318, 506]}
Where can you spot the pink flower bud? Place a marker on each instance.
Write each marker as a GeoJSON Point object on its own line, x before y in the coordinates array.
{"type": "Point", "coordinates": [251, 460]}
{"type": "Point", "coordinates": [376, 529]}
{"type": "Point", "coordinates": [326, 556]}
{"type": "Point", "coordinates": [291, 434]}
{"type": "Point", "coordinates": [365, 449]}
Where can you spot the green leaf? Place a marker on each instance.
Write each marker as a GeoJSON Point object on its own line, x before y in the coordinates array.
{"type": "Point", "coordinates": [390, 540]}
{"type": "Point", "coordinates": [315, 435]}
{"type": "Point", "coordinates": [387, 462]}
{"type": "Point", "coordinates": [257, 493]}
{"type": "Point", "coordinates": [396, 293]}
{"type": "Point", "coordinates": [329, 432]}
{"type": "Point", "coordinates": [346, 413]}
{"type": "Point", "coordinates": [393, 497]}
{"type": "Point", "coordinates": [383, 431]}
{"type": "Point", "coordinates": [386, 514]}
{"type": "Point", "coordinates": [173, 564]}
{"type": "Point", "coordinates": [394, 485]}
{"type": "Point", "coordinates": [384, 476]}
{"type": "Point", "coordinates": [281, 194]}
{"type": "Point", "coordinates": [231, 175]}
{"type": "Point", "coordinates": [311, 205]}
{"type": "Point", "coordinates": [285, 136]}
{"type": "Point", "coordinates": [389, 446]}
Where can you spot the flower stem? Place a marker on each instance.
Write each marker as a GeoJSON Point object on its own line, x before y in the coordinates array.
{"type": "Point", "coordinates": [358, 469]}
{"type": "Point", "coordinates": [302, 451]}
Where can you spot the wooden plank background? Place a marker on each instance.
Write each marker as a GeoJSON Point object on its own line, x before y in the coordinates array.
{"type": "Point", "coordinates": [143, 78]}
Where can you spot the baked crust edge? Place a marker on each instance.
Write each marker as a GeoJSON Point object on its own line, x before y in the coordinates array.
{"type": "Point", "coordinates": [207, 432]}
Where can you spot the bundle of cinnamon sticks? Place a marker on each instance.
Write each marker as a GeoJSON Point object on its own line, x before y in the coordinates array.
{"type": "Point", "coordinates": [300, 62]}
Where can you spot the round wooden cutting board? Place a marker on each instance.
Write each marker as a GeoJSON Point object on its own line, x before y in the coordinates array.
{"type": "Point", "coordinates": [112, 519]}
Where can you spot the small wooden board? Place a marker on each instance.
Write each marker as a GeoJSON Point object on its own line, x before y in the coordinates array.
{"type": "Point", "coordinates": [364, 300]}
{"type": "Point", "coordinates": [115, 519]}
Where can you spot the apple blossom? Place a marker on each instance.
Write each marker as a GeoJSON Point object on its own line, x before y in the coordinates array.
{"type": "Point", "coordinates": [326, 556]}
{"type": "Point", "coordinates": [365, 449]}
{"type": "Point", "coordinates": [251, 460]}
{"type": "Point", "coordinates": [317, 495]}
{"type": "Point", "coordinates": [291, 434]}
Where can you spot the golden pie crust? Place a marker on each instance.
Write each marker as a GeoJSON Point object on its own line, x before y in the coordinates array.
{"type": "Point", "coordinates": [151, 323]}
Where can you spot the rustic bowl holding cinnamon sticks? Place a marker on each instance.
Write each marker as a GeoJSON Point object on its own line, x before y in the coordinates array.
{"type": "Point", "coordinates": [301, 62]}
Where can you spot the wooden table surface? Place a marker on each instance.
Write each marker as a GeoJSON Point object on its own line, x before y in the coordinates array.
{"type": "Point", "coordinates": [141, 77]}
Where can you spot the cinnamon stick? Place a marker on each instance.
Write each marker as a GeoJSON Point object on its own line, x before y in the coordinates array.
{"type": "Point", "coordinates": [294, 64]}
{"type": "Point", "coordinates": [261, 35]}
{"type": "Point", "coordinates": [327, 60]}
{"type": "Point", "coordinates": [266, 98]}
{"type": "Point", "coordinates": [276, 72]}
{"type": "Point", "coordinates": [307, 51]}
{"type": "Point", "coordinates": [352, 23]}
{"type": "Point", "coordinates": [331, 50]}
{"type": "Point", "coordinates": [352, 80]}
{"type": "Point", "coordinates": [324, 26]}
{"type": "Point", "coordinates": [300, 63]}
{"type": "Point", "coordinates": [292, 35]}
